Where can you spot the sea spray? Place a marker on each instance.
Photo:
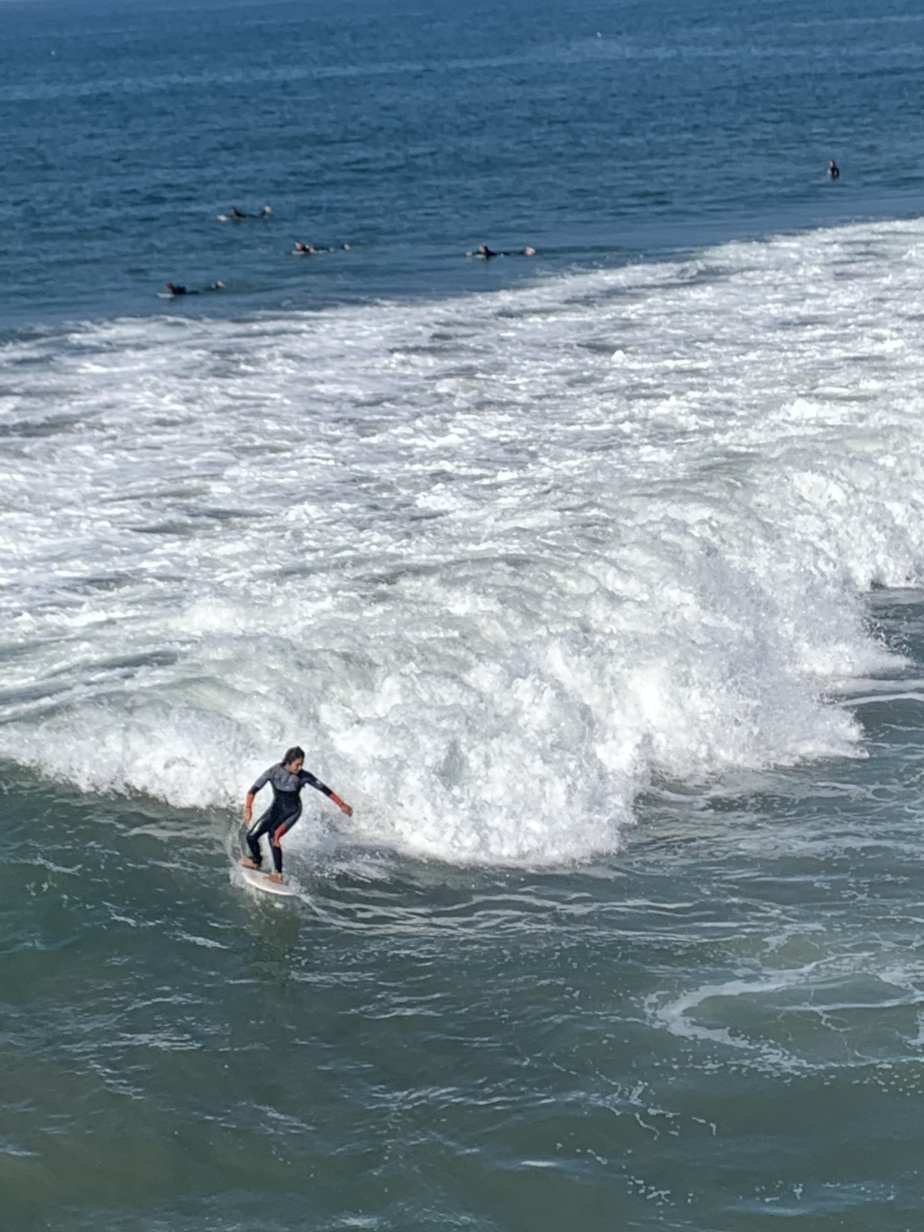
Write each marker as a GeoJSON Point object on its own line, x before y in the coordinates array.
{"type": "Point", "coordinates": [497, 562]}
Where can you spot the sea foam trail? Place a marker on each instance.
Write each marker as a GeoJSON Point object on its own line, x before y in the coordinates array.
{"type": "Point", "coordinates": [495, 561]}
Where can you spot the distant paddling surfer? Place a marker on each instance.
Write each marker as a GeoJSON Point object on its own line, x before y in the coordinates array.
{"type": "Point", "coordinates": [287, 778]}
{"type": "Point", "coordinates": [174, 290]}
{"type": "Point", "coordinates": [237, 215]}
{"type": "Point", "coordinates": [485, 253]}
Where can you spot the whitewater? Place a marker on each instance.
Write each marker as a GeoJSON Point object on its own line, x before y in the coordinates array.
{"type": "Point", "coordinates": [500, 562]}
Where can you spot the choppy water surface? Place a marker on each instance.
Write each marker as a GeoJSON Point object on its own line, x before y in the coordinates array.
{"type": "Point", "coordinates": [592, 581]}
{"type": "Point", "coordinates": [719, 1025]}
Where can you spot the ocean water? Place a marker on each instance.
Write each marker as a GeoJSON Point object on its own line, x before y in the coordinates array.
{"type": "Point", "coordinates": [593, 580]}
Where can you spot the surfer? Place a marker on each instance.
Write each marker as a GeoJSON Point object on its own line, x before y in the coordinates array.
{"type": "Point", "coordinates": [173, 290]}
{"type": "Point", "coordinates": [833, 170]}
{"type": "Point", "coordinates": [236, 215]}
{"type": "Point", "coordinates": [486, 253]}
{"type": "Point", "coordinates": [287, 778]}
{"type": "Point", "coordinates": [301, 249]}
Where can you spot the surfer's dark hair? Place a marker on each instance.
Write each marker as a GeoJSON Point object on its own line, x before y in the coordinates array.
{"type": "Point", "coordinates": [292, 754]}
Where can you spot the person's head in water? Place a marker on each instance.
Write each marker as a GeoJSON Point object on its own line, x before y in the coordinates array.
{"type": "Point", "coordinates": [293, 759]}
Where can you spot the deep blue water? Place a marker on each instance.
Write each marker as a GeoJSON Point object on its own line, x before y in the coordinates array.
{"type": "Point", "coordinates": [595, 133]}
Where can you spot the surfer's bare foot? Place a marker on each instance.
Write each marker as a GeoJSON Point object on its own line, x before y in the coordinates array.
{"type": "Point", "coordinates": [246, 862]}
{"type": "Point", "coordinates": [275, 878]}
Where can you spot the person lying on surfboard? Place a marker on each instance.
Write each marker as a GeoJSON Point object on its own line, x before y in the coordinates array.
{"type": "Point", "coordinates": [487, 253]}
{"type": "Point", "coordinates": [287, 778]}
{"type": "Point", "coordinates": [174, 290]}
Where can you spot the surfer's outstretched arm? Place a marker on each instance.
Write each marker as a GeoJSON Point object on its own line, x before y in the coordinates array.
{"type": "Point", "coordinates": [307, 777]}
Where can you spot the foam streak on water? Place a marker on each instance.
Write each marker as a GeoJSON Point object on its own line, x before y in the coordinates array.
{"type": "Point", "coordinates": [495, 561]}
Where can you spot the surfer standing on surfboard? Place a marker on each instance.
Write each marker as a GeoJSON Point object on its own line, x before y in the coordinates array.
{"type": "Point", "coordinates": [287, 778]}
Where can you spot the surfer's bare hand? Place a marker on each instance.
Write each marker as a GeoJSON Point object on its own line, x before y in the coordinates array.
{"type": "Point", "coordinates": [246, 816]}
{"type": "Point", "coordinates": [345, 808]}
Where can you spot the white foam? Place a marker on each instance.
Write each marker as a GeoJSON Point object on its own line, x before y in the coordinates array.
{"type": "Point", "coordinates": [495, 561]}
{"type": "Point", "coordinates": [824, 1004]}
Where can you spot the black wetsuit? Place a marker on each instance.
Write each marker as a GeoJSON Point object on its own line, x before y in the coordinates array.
{"type": "Point", "coordinates": [283, 813]}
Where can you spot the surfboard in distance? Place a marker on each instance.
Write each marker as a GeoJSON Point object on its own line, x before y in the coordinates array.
{"type": "Point", "coordinates": [261, 881]}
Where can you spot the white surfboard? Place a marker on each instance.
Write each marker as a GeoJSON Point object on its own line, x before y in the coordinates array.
{"type": "Point", "coordinates": [261, 881]}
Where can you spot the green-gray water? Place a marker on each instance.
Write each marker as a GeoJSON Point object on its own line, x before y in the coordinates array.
{"type": "Point", "coordinates": [718, 1028]}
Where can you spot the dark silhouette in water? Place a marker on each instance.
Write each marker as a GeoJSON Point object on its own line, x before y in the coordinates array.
{"type": "Point", "coordinates": [174, 289]}
{"type": "Point", "coordinates": [308, 250]}
{"type": "Point", "coordinates": [486, 253]}
{"type": "Point", "coordinates": [236, 215]}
